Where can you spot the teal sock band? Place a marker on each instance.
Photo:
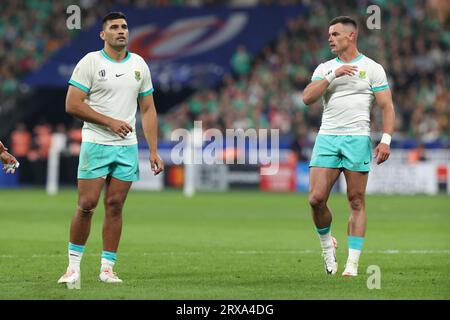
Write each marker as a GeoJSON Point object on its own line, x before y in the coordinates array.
{"type": "Point", "coordinates": [355, 242]}
{"type": "Point", "coordinates": [76, 247]}
{"type": "Point", "coordinates": [108, 255]}
{"type": "Point", "coordinates": [323, 230]}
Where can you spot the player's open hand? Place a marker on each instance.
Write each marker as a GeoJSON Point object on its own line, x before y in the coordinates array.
{"type": "Point", "coordinates": [382, 152]}
{"type": "Point", "coordinates": [346, 70]}
{"type": "Point", "coordinates": [156, 163]}
{"type": "Point", "coordinates": [10, 163]}
{"type": "Point", "coordinates": [120, 127]}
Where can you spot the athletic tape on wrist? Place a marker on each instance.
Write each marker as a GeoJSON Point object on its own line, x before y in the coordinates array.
{"type": "Point", "coordinates": [386, 138]}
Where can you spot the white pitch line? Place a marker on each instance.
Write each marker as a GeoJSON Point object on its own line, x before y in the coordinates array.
{"type": "Point", "coordinates": [239, 252]}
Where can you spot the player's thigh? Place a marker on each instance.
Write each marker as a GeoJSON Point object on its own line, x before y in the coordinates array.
{"type": "Point", "coordinates": [126, 164]}
{"type": "Point", "coordinates": [116, 193]}
{"type": "Point", "coordinates": [356, 153]}
{"type": "Point", "coordinates": [326, 153]}
{"type": "Point", "coordinates": [321, 180]}
{"type": "Point", "coordinates": [356, 184]}
{"type": "Point", "coordinates": [89, 191]}
{"type": "Point", "coordinates": [95, 160]}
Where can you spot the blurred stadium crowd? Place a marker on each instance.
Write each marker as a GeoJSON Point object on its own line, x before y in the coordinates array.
{"type": "Point", "coordinates": [264, 91]}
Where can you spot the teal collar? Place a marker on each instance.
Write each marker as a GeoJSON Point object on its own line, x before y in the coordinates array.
{"type": "Point", "coordinates": [353, 61]}
{"type": "Point", "coordinates": [127, 56]}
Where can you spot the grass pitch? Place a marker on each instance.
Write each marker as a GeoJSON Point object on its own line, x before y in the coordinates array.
{"type": "Point", "coordinates": [237, 245]}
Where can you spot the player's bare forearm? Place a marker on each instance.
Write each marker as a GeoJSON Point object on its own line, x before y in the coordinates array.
{"type": "Point", "coordinates": [314, 91]}
{"type": "Point", "coordinates": [388, 119]}
{"type": "Point", "coordinates": [150, 127]}
{"type": "Point", "coordinates": [384, 100]}
{"type": "Point", "coordinates": [149, 122]}
{"type": "Point", "coordinates": [76, 107]}
{"type": "Point", "coordinates": [83, 112]}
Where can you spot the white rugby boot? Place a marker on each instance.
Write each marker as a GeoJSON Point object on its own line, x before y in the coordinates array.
{"type": "Point", "coordinates": [72, 279]}
{"type": "Point", "coordinates": [329, 256]}
{"type": "Point", "coordinates": [351, 269]}
{"type": "Point", "coordinates": [108, 276]}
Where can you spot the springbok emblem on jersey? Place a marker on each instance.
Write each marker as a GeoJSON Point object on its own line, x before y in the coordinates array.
{"type": "Point", "coordinates": [137, 75]}
{"type": "Point", "coordinates": [362, 74]}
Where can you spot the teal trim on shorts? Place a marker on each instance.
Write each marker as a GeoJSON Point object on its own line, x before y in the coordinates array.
{"type": "Point", "coordinates": [79, 85]}
{"type": "Point", "coordinates": [98, 160]}
{"type": "Point", "coordinates": [108, 255]}
{"type": "Point", "coordinates": [76, 247]}
{"type": "Point", "coordinates": [353, 153]}
{"type": "Point", "coordinates": [355, 242]}
{"type": "Point", "coordinates": [146, 93]}
{"type": "Point", "coordinates": [386, 86]}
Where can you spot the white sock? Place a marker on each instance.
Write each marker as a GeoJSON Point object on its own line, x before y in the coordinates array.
{"type": "Point", "coordinates": [106, 264]}
{"type": "Point", "coordinates": [75, 259]}
{"type": "Point", "coordinates": [353, 255]}
{"type": "Point", "coordinates": [325, 241]}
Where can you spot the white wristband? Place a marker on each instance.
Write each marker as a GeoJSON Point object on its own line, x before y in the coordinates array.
{"type": "Point", "coordinates": [386, 138]}
{"type": "Point", "coordinates": [330, 76]}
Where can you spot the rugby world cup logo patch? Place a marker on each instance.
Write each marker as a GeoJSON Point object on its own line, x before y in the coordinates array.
{"type": "Point", "coordinates": [102, 74]}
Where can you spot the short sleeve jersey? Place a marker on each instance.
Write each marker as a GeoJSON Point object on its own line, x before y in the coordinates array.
{"type": "Point", "coordinates": [348, 99]}
{"type": "Point", "coordinates": [112, 89]}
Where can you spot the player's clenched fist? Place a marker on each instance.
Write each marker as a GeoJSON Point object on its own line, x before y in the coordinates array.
{"type": "Point", "coordinates": [120, 127]}
{"type": "Point", "coordinates": [345, 70]}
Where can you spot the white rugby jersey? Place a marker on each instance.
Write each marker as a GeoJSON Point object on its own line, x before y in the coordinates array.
{"type": "Point", "coordinates": [113, 89]}
{"type": "Point", "coordinates": [347, 101]}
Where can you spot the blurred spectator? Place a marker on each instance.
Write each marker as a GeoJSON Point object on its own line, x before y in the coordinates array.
{"type": "Point", "coordinates": [74, 140]}
{"type": "Point", "coordinates": [20, 141]}
{"type": "Point", "coordinates": [417, 154]}
{"type": "Point", "coordinates": [241, 61]}
{"type": "Point", "coordinates": [43, 139]}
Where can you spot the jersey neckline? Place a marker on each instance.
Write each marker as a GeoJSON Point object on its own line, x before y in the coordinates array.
{"type": "Point", "coordinates": [127, 57]}
{"type": "Point", "coordinates": [353, 61]}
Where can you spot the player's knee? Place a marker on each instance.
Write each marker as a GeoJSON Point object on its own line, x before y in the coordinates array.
{"type": "Point", "coordinates": [317, 200]}
{"type": "Point", "coordinates": [114, 204]}
{"type": "Point", "coordinates": [87, 206]}
{"type": "Point", "coordinates": [356, 201]}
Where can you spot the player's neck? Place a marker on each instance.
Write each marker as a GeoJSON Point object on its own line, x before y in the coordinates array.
{"type": "Point", "coordinates": [115, 54]}
{"type": "Point", "coordinates": [349, 55]}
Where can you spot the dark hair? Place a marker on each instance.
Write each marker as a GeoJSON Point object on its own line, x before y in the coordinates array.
{"type": "Point", "coordinates": [344, 20]}
{"type": "Point", "coordinates": [113, 16]}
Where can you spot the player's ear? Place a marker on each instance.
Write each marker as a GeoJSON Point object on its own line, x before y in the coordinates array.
{"type": "Point", "coordinates": [102, 35]}
{"type": "Point", "coordinates": [351, 35]}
